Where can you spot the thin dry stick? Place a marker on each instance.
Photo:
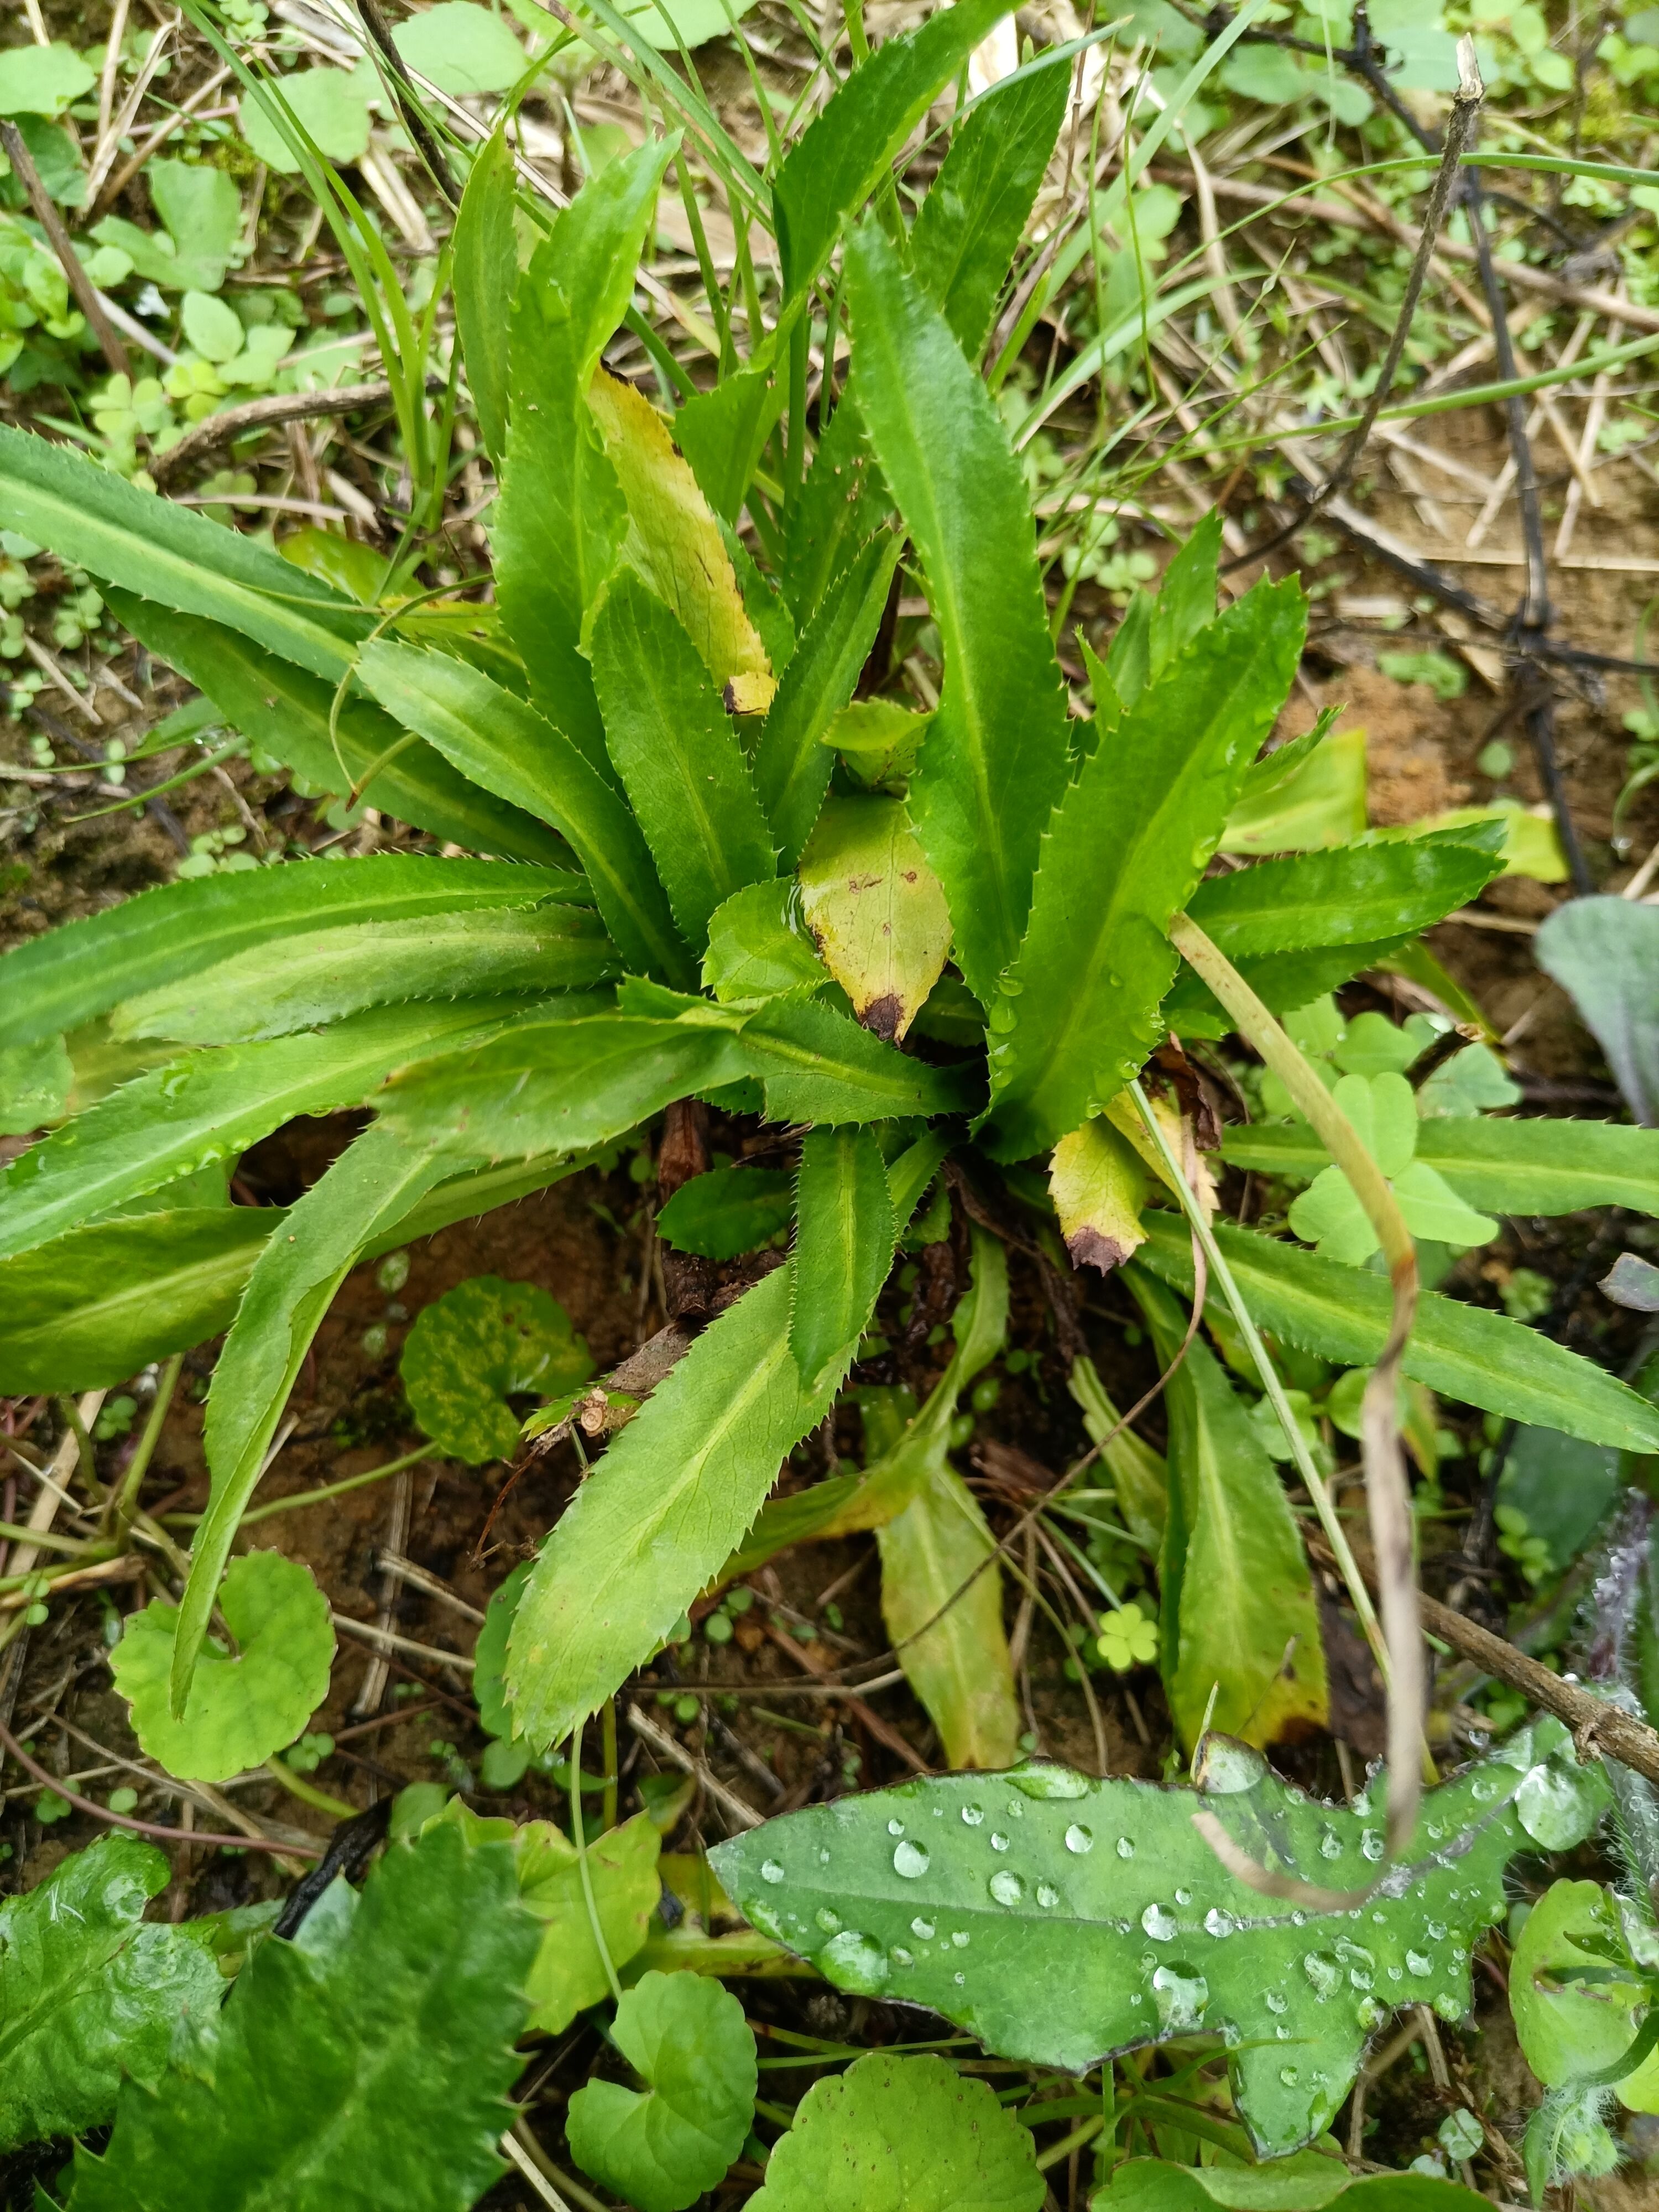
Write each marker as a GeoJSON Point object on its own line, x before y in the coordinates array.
{"type": "Point", "coordinates": [1466, 108]}
{"type": "Point", "coordinates": [85, 291]}
{"type": "Point", "coordinates": [261, 415]}
{"type": "Point", "coordinates": [730, 1803]}
{"type": "Point", "coordinates": [102, 194]}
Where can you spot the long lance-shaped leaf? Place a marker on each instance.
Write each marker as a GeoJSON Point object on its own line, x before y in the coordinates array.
{"type": "Point", "coordinates": [1354, 896]}
{"type": "Point", "coordinates": [97, 1305]}
{"type": "Point", "coordinates": [818, 1067]}
{"type": "Point", "coordinates": [506, 746]}
{"type": "Point", "coordinates": [285, 712]}
{"type": "Point", "coordinates": [995, 761]}
{"type": "Point", "coordinates": [1127, 843]}
{"type": "Point", "coordinates": [374, 1182]}
{"type": "Point", "coordinates": [791, 764]}
{"type": "Point", "coordinates": [842, 155]}
{"type": "Point", "coordinates": [93, 519]}
{"type": "Point", "coordinates": [1465, 1353]}
{"type": "Point", "coordinates": [561, 517]}
{"type": "Point", "coordinates": [661, 1514]}
{"type": "Point", "coordinates": [485, 279]}
{"type": "Point", "coordinates": [557, 1086]}
{"type": "Point", "coordinates": [322, 976]}
{"type": "Point", "coordinates": [82, 969]}
{"type": "Point", "coordinates": [211, 1105]}
{"type": "Point", "coordinates": [678, 757]}
{"type": "Point", "coordinates": [1502, 1167]}
{"type": "Point", "coordinates": [942, 1605]}
{"type": "Point", "coordinates": [844, 1241]}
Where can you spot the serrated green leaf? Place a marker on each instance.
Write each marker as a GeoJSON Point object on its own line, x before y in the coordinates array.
{"type": "Point", "coordinates": [90, 1309]}
{"type": "Point", "coordinates": [209, 1106]}
{"type": "Point", "coordinates": [660, 1513]}
{"type": "Point", "coordinates": [82, 969]}
{"type": "Point", "coordinates": [687, 2039]}
{"type": "Point", "coordinates": [678, 757]}
{"type": "Point", "coordinates": [902, 2134]}
{"type": "Point", "coordinates": [837, 162]}
{"type": "Point", "coordinates": [569, 1974]}
{"type": "Point", "coordinates": [93, 519]}
{"type": "Point", "coordinates": [844, 1238]}
{"type": "Point", "coordinates": [1098, 1186]}
{"type": "Point", "coordinates": [938, 1567]}
{"type": "Point", "coordinates": [245, 1703]}
{"type": "Point", "coordinates": [1355, 894]}
{"type": "Point", "coordinates": [757, 948]}
{"type": "Point", "coordinates": [1185, 600]}
{"type": "Point", "coordinates": [727, 1211]}
{"type": "Point", "coordinates": [876, 910]}
{"type": "Point", "coordinates": [285, 713]}
{"type": "Point", "coordinates": [722, 434]}
{"type": "Point", "coordinates": [1308, 794]}
{"type": "Point", "coordinates": [36, 1080]}
{"type": "Point", "coordinates": [317, 977]}
{"type": "Point", "coordinates": [1284, 982]}
{"type": "Point", "coordinates": [1464, 1352]}
{"type": "Point", "coordinates": [506, 746]}
{"type": "Point", "coordinates": [818, 1067]}
{"type": "Point", "coordinates": [1126, 845]}
{"type": "Point", "coordinates": [324, 2083]}
{"type": "Point", "coordinates": [561, 517]}
{"type": "Point", "coordinates": [995, 759]}
{"type": "Point", "coordinates": [486, 276]}
{"type": "Point", "coordinates": [560, 1085]}
{"type": "Point", "coordinates": [479, 1345]}
{"type": "Point", "coordinates": [791, 764]}
{"type": "Point", "coordinates": [89, 1992]}
{"type": "Point", "coordinates": [1099, 1919]}
{"type": "Point", "coordinates": [1241, 1620]}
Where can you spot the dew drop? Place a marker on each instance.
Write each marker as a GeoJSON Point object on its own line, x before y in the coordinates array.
{"type": "Point", "coordinates": [1395, 1974]}
{"type": "Point", "coordinates": [1217, 1923]}
{"type": "Point", "coordinates": [1372, 1842]}
{"type": "Point", "coordinates": [1416, 1964]}
{"type": "Point", "coordinates": [1078, 1839]}
{"type": "Point", "coordinates": [828, 1919]}
{"type": "Point", "coordinates": [972, 1815]}
{"type": "Point", "coordinates": [824, 1858]}
{"type": "Point", "coordinates": [901, 1957]}
{"type": "Point", "coordinates": [922, 1928]}
{"type": "Point", "coordinates": [1277, 2002]}
{"type": "Point", "coordinates": [1006, 1886]}
{"type": "Point", "coordinates": [1448, 2005]}
{"type": "Point", "coordinates": [1330, 1845]}
{"type": "Point", "coordinates": [960, 1938]}
{"type": "Point", "coordinates": [960, 1980]}
{"type": "Point", "coordinates": [1046, 1781]}
{"type": "Point", "coordinates": [1126, 1849]}
{"type": "Point", "coordinates": [1183, 1897]}
{"type": "Point", "coordinates": [1436, 1930]}
{"type": "Point", "coordinates": [998, 1843]}
{"type": "Point", "coordinates": [855, 1962]}
{"type": "Point", "coordinates": [1047, 1895]}
{"type": "Point", "coordinates": [1159, 1923]}
{"type": "Point", "coordinates": [909, 1860]}
{"type": "Point", "coordinates": [1281, 2034]}
{"type": "Point", "coordinates": [895, 1827]}
{"type": "Point", "coordinates": [1298, 1918]}
{"type": "Point", "coordinates": [1322, 1971]}
{"type": "Point", "coordinates": [1181, 1995]}
{"type": "Point", "coordinates": [1288, 2076]}
{"type": "Point", "coordinates": [1371, 2013]}
{"type": "Point", "coordinates": [770, 1870]}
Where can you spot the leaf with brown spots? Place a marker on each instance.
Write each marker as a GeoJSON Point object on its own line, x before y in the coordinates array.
{"type": "Point", "coordinates": [876, 909]}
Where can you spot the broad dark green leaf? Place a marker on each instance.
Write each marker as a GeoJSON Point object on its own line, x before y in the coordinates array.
{"type": "Point", "coordinates": [82, 969]}
{"type": "Point", "coordinates": [816, 1065]}
{"type": "Point", "coordinates": [285, 713]}
{"type": "Point", "coordinates": [660, 1513]}
{"type": "Point", "coordinates": [211, 1105]}
{"type": "Point", "coordinates": [902, 2134]}
{"type": "Point", "coordinates": [368, 1189]}
{"type": "Point", "coordinates": [506, 746]}
{"type": "Point", "coordinates": [722, 432]}
{"type": "Point", "coordinates": [994, 761]}
{"type": "Point", "coordinates": [1128, 843]}
{"type": "Point", "coordinates": [1605, 953]}
{"type": "Point", "coordinates": [322, 976]}
{"type": "Point", "coordinates": [1464, 1351]}
{"type": "Point", "coordinates": [561, 517]}
{"type": "Point", "coordinates": [791, 764]}
{"type": "Point", "coordinates": [1354, 895]}
{"type": "Point", "coordinates": [1503, 1167]}
{"type": "Point", "coordinates": [372, 2069]}
{"type": "Point", "coordinates": [840, 506]}
{"type": "Point", "coordinates": [91, 1307]}
{"type": "Point", "coordinates": [556, 1084]}
{"type": "Point", "coordinates": [838, 159]}
{"type": "Point", "coordinates": [92, 518]}
{"type": "Point", "coordinates": [727, 1211]}
{"type": "Point", "coordinates": [758, 947]}
{"type": "Point", "coordinates": [1307, 2182]}
{"type": "Point", "coordinates": [480, 1345]}
{"type": "Point", "coordinates": [678, 757]}
{"type": "Point", "coordinates": [91, 1993]}
{"type": "Point", "coordinates": [844, 1236]}
{"type": "Point", "coordinates": [1241, 1621]}
{"type": "Point", "coordinates": [485, 278]}
{"type": "Point", "coordinates": [1097, 1918]}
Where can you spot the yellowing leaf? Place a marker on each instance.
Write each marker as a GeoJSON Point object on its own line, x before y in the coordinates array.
{"type": "Point", "coordinates": [1296, 802]}
{"type": "Point", "coordinates": [876, 909]}
{"type": "Point", "coordinates": [1098, 1185]}
{"type": "Point", "coordinates": [568, 1973]}
{"type": "Point", "coordinates": [1121, 1113]}
{"type": "Point", "coordinates": [675, 544]}
{"type": "Point", "coordinates": [960, 1668]}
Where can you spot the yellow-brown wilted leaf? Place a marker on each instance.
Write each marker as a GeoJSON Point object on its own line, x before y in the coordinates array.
{"type": "Point", "coordinates": [675, 543]}
{"type": "Point", "coordinates": [876, 909]}
{"type": "Point", "coordinates": [959, 1667]}
{"type": "Point", "coordinates": [1120, 1112]}
{"type": "Point", "coordinates": [1098, 1186]}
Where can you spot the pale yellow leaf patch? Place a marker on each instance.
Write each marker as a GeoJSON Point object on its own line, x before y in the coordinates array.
{"type": "Point", "coordinates": [876, 909]}
{"type": "Point", "coordinates": [1098, 1184]}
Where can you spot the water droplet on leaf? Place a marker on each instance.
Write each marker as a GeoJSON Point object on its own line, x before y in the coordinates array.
{"type": "Point", "coordinates": [1006, 1886]}
{"type": "Point", "coordinates": [909, 1860]}
{"type": "Point", "coordinates": [770, 1870]}
{"type": "Point", "coordinates": [1159, 1923]}
{"type": "Point", "coordinates": [1078, 1839]}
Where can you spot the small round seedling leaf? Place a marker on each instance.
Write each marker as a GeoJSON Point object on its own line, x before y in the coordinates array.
{"type": "Point", "coordinates": [902, 2134]}
{"type": "Point", "coordinates": [461, 48]}
{"type": "Point", "coordinates": [1559, 1804]}
{"type": "Point", "coordinates": [244, 1703]}
{"type": "Point", "coordinates": [477, 1347]}
{"type": "Point", "coordinates": [330, 107]}
{"type": "Point", "coordinates": [688, 2039]}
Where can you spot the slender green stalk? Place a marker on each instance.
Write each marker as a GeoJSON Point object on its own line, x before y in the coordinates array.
{"type": "Point", "coordinates": [609, 1724]}
{"type": "Point", "coordinates": [308, 1792]}
{"type": "Point", "coordinates": [584, 1869]}
{"type": "Point", "coordinates": [318, 1497]}
{"type": "Point", "coordinates": [71, 1413]}
{"type": "Point", "coordinates": [127, 1498]}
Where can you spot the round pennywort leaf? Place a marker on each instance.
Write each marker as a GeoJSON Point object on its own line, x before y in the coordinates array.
{"type": "Point", "coordinates": [477, 1347]}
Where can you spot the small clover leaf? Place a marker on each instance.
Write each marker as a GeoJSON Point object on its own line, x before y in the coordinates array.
{"type": "Point", "coordinates": [244, 1704]}
{"type": "Point", "coordinates": [1128, 1639]}
{"type": "Point", "coordinates": [902, 2134]}
{"type": "Point", "coordinates": [475, 1347]}
{"type": "Point", "coordinates": [1383, 1111]}
{"type": "Point", "coordinates": [689, 2041]}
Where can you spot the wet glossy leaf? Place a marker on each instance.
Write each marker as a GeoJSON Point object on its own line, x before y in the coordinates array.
{"type": "Point", "coordinates": [876, 909]}
{"type": "Point", "coordinates": [688, 2040]}
{"type": "Point", "coordinates": [1358, 895]}
{"type": "Point", "coordinates": [1057, 1918]}
{"type": "Point", "coordinates": [35, 1083]}
{"type": "Point", "coordinates": [816, 1065]}
{"type": "Point", "coordinates": [479, 1345]}
{"type": "Point", "coordinates": [243, 1704]}
{"type": "Point", "coordinates": [902, 2134]}
{"type": "Point", "coordinates": [90, 1991]}
{"type": "Point", "coordinates": [728, 1211]}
